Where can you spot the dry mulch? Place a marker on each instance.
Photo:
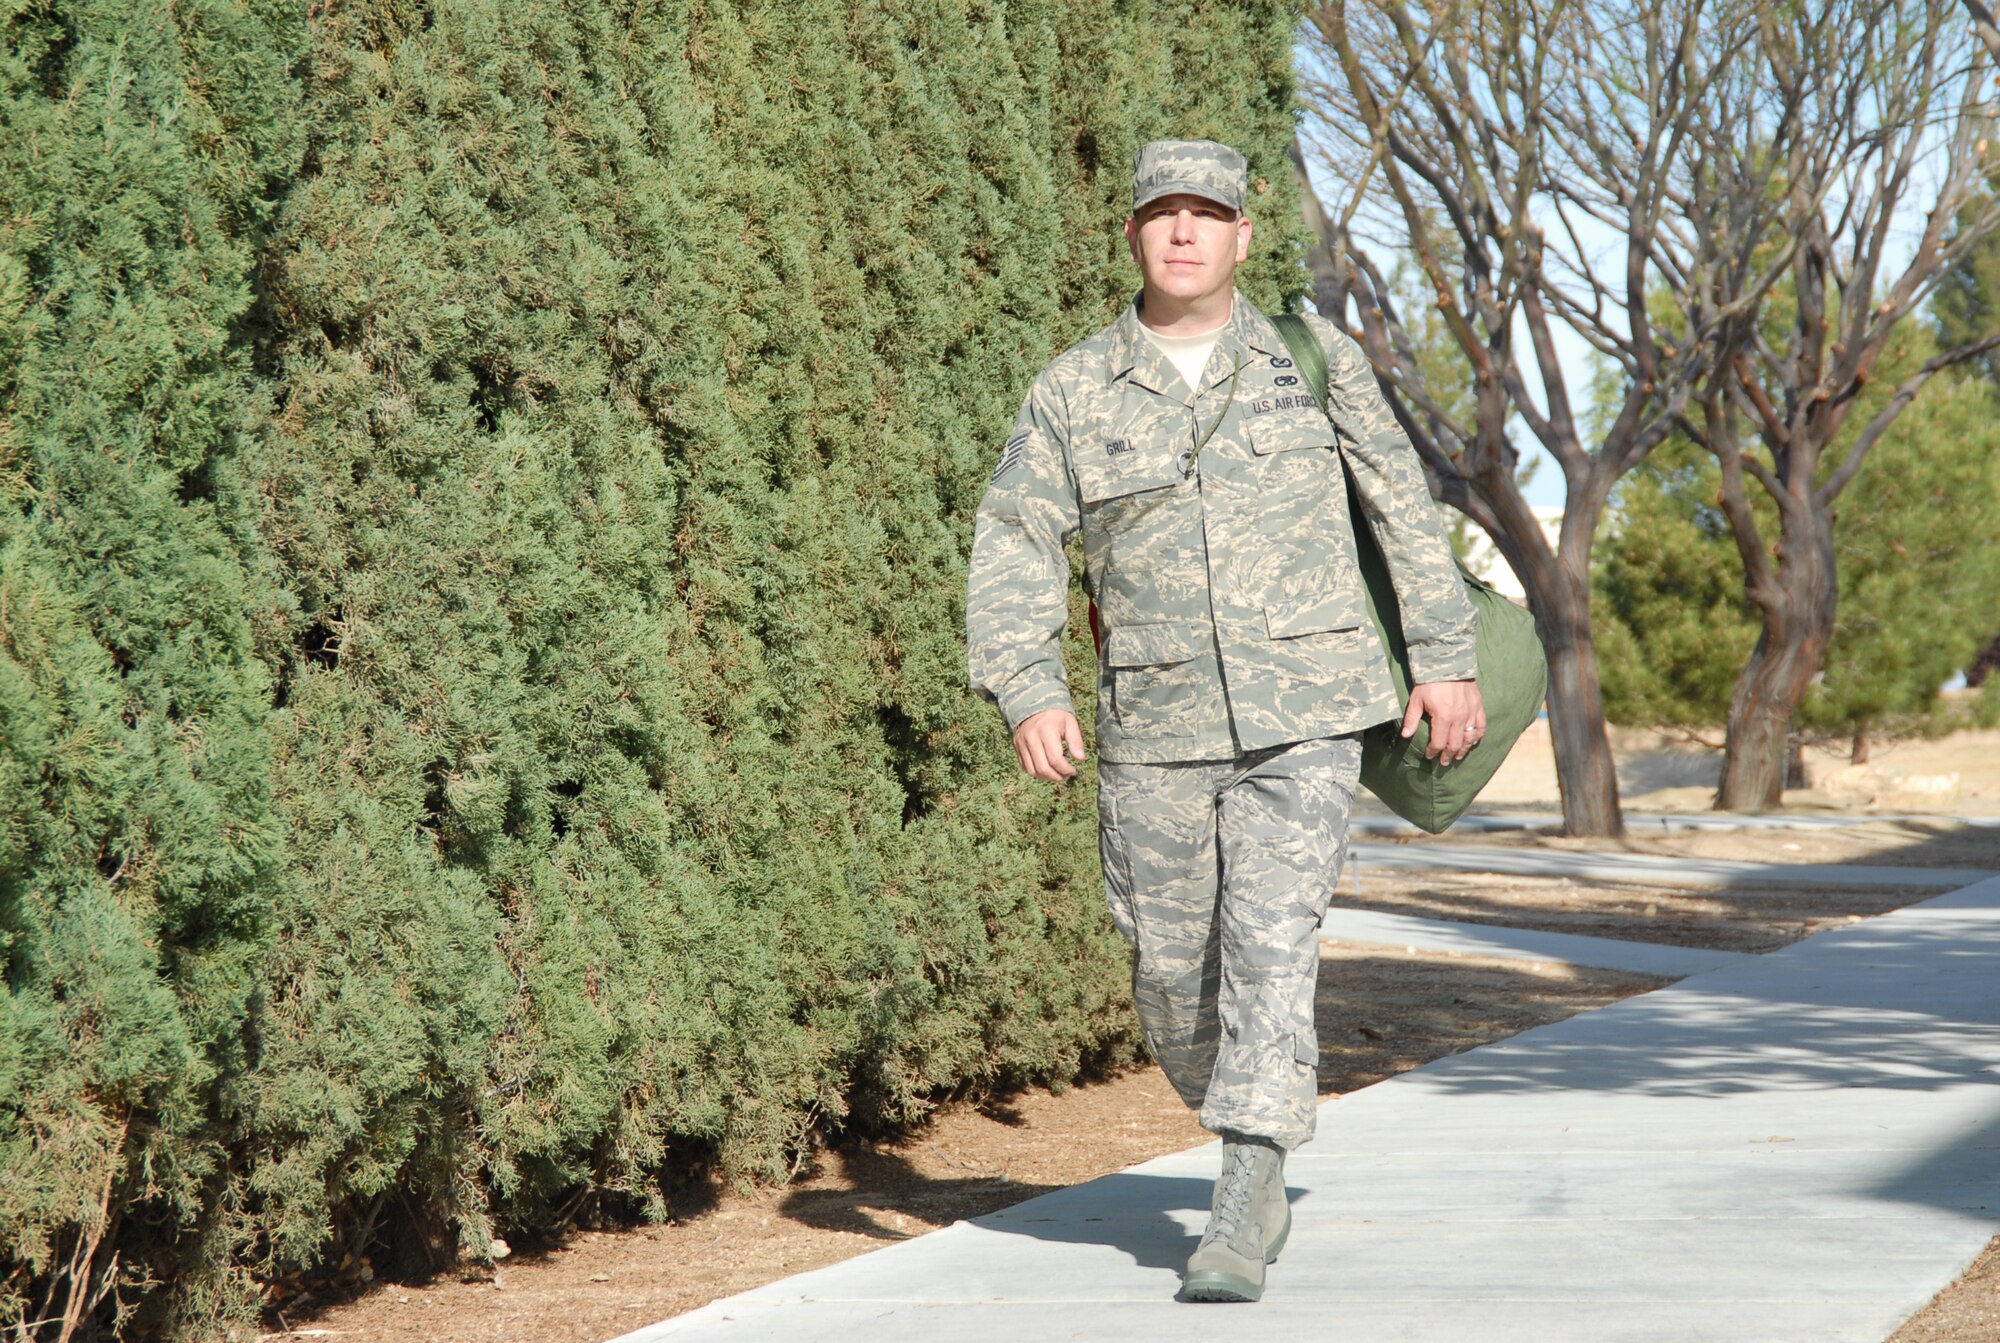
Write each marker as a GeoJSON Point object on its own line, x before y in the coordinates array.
{"type": "Point", "coordinates": [1968, 1311]}
{"type": "Point", "coordinates": [1380, 1011]}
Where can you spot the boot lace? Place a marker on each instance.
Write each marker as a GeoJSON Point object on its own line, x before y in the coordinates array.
{"type": "Point", "coordinates": [1232, 1203]}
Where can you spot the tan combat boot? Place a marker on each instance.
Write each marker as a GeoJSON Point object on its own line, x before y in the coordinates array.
{"type": "Point", "coordinates": [1247, 1224]}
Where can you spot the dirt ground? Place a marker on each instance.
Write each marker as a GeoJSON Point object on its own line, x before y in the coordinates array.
{"type": "Point", "coordinates": [1957, 775]}
{"type": "Point", "coordinates": [1968, 1311]}
{"type": "Point", "coordinates": [1942, 841]}
{"type": "Point", "coordinates": [1746, 919]}
{"type": "Point", "coordinates": [1381, 1011]}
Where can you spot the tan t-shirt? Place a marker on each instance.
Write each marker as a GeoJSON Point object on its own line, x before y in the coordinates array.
{"type": "Point", "coordinates": [1188, 354]}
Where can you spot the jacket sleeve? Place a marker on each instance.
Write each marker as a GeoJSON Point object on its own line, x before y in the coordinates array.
{"type": "Point", "coordinates": [1438, 619]}
{"type": "Point", "coordinates": [1017, 587]}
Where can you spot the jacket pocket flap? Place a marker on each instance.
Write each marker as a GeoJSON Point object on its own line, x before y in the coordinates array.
{"type": "Point", "coordinates": [1290, 432]}
{"type": "Point", "coordinates": [1154, 645]}
{"type": "Point", "coordinates": [1100, 477]}
{"type": "Point", "coordinates": [1340, 610]}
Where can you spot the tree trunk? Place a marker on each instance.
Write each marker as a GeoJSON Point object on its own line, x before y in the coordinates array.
{"type": "Point", "coordinates": [1984, 665]}
{"type": "Point", "coordinates": [1584, 770]}
{"type": "Point", "coordinates": [1798, 621]}
{"type": "Point", "coordinates": [1859, 755]}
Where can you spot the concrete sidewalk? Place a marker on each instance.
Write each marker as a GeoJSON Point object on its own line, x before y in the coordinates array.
{"type": "Point", "coordinates": [1500, 942]}
{"type": "Point", "coordinates": [1639, 823]}
{"type": "Point", "coordinates": [1648, 869]}
{"type": "Point", "coordinates": [1802, 1146]}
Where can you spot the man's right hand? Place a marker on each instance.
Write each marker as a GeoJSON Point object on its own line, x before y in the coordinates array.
{"type": "Point", "coordinates": [1040, 740]}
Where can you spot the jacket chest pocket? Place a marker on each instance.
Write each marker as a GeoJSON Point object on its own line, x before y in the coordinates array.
{"type": "Point", "coordinates": [1288, 430]}
{"type": "Point", "coordinates": [1114, 468]}
{"type": "Point", "coordinates": [1296, 460]}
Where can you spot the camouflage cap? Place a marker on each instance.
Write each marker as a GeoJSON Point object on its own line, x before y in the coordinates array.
{"type": "Point", "coordinates": [1197, 167]}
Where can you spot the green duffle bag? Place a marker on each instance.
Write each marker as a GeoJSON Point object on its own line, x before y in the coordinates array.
{"type": "Point", "coordinates": [1513, 670]}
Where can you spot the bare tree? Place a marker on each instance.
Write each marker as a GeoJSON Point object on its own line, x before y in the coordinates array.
{"type": "Point", "coordinates": [1885, 118]}
{"type": "Point", "coordinates": [1985, 26]}
{"type": "Point", "coordinates": [1532, 161]}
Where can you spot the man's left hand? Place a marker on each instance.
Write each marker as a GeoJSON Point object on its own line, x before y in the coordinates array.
{"type": "Point", "coordinates": [1457, 714]}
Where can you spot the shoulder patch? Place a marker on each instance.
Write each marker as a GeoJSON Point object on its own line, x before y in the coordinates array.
{"type": "Point", "coordinates": [1011, 455]}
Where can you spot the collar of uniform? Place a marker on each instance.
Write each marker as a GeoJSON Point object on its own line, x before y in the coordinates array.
{"type": "Point", "coordinates": [1248, 330]}
{"type": "Point", "coordinates": [1136, 358]}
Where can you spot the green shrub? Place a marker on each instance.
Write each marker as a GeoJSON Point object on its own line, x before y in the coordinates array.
{"type": "Point", "coordinates": [485, 726]}
{"type": "Point", "coordinates": [139, 847]}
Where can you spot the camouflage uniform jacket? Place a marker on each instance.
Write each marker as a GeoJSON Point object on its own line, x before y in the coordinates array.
{"type": "Point", "coordinates": [1227, 585]}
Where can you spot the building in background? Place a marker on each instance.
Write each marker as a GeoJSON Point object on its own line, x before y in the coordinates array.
{"type": "Point", "coordinates": [1485, 560]}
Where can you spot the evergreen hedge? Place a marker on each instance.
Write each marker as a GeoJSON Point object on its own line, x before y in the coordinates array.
{"type": "Point", "coordinates": [482, 712]}
{"type": "Point", "coordinates": [141, 845]}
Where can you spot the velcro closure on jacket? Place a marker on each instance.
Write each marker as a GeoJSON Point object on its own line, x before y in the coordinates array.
{"type": "Point", "coordinates": [1154, 645]}
{"type": "Point", "coordinates": [1339, 610]}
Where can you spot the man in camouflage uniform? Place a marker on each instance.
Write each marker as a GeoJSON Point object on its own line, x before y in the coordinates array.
{"type": "Point", "coordinates": [1237, 665]}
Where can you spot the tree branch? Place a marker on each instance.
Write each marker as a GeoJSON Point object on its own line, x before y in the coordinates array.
{"type": "Point", "coordinates": [1984, 24]}
{"type": "Point", "coordinates": [1898, 403]}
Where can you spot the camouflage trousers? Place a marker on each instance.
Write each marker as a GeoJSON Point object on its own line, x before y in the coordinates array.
{"type": "Point", "coordinates": [1218, 873]}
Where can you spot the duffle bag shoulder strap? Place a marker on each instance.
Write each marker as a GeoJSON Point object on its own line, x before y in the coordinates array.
{"type": "Point", "coordinates": [1310, 356]}
{"type": "Point", "coordinates": [1513, 672]}
{"type": "Point", "coordinates": [1306, 350]}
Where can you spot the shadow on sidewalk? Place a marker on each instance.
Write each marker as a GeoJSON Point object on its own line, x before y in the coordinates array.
{"type": "Point", "coordinates": [1129, 1211]}
{"type": "Point", "coordinates": [1916, 1007]}
{"type": "Point", "coordinates": [1912, 1007]}
{"type": "Point", "coordinates": [885, 1182]}
{"type": "Point", "coordinates": [1912, 1004]}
